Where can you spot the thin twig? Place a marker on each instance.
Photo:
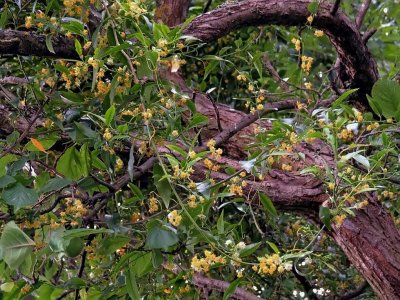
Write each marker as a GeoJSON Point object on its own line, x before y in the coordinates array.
{"type": "Point", "coordinates": [272, 71]}
{"type": "Point", "coordinates": [207, 7]}
{"type": "Point", "coordinates": [362, 12]}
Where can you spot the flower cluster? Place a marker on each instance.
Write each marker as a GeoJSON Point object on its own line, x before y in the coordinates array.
{"type": "Point", "coordinates": [269, 264]}
{"type": "Point", "coordinates": [306, 63]}
{"type": "Point", "coordinates": [204, 264]}
{"type": "Point", "coordinates": [174, 218]}
{"type": "Point", "coordinates": [297, 44]}
{"type": "Point", "coordinates": [153, 205]}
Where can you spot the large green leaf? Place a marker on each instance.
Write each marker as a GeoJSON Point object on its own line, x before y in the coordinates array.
{"type": "Point", "coordinates": [70, 164]}
{"type": "Point", "coordinates": [20, 196]}
{"type": "Point", "coordinates": [385, 98]}
{"type": "Point", "coordinates": [55, 184]}
{"type": "Point", "coordinates": [111, 244]}
{"type": "Point", "coordinates": [161, 238]}
{"type": "Point", "coordinates": [15, 245]}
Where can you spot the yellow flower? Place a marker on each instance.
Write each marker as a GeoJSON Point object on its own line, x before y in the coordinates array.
{"type": "Point", "coordinates": [308, 85]}
{"type": "Point", "coordinates": [174, 218]}
{"type": "Point", "coordinates": [297, 44]}
{"type": "Point", "coordinates": [319, 33]}
{"type": "Point", "coordinates": [107, 135]}
{"type": "Point", "coordinates": [310, 19]}
{"type": "Point", "coordinates": [28, 22]}
{"type": "Point", "coordinates": [175, 133]}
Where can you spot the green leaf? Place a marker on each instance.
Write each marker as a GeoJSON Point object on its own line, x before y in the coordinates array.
{"type": "Point", "coordinates": [258, 64]}
{"type": "Point", "coordinates": [109, 116]}
{"type": "Point", "coordinates": [55, 184]}
{"type": "Point", "coordinates": [386, 98]}
{"type": "Point", "coordinates": [313, 7]}
{"type": "Point", "coordinates": [49, 44]}
{"type": "Point", "coordinates": [15, 245]}
{"type": "Point", "coordinates": [198, 120]}
{"type": "Point", "coordinates": [249, 249]}
{"type": "Point", "coordinates": [162, 184]}
{"type": "Point", "coordinates": [268, 205]}
{"type": "Point", "coordinates": [231, 288]}
{"type": "Point", "coordinates": [85, 157]}
{"type": "Point", "coordinates": [6, 180]}
{"type": "Point", "coordinates": [161, 238]}
{"type": "Point", "coordinates": [111, 244]}
{"type": "Point", "coordinates": [220, 223]}
{"type": "Point", "coordinates": [70, 164]}
{"type": "Point", "coordinates": [273, 247]}
{"type": "Point", "coordinates": [325, 216]}
{"type": "Point", "coordinates": [142, 263]}
{"type": "Point", "coordinates": [131, 285]}
{"type": "Point", "coordinates": [73, 247]}
{"type": "Point", "coordinates": [78, 48]}
{"type": "Point", "coordinates": [343, 97]}
{"type": "Point", "coordinates": [19, 196]}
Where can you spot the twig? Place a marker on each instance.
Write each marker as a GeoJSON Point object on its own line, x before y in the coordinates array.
{"type": "Point", "coordinates": [368, 34]}
{"type": "Point", "coordinates": [362, 12]}
{"type": "Point", "coordinates": [272, 71]}
{"type": "Point", "coordinates": [13, 80]}
{"type": "Point", "coordinates": [335, 7]}
{"type": "Point", "coordinates": [356, 292]}
{"type": "Point", "coordinates": [216, 112]}
{"type": "Point", "coordinates": [207, 7]}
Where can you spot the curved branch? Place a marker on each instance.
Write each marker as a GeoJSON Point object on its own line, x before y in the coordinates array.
{"type": "Point", "coordinates": [359, 67]}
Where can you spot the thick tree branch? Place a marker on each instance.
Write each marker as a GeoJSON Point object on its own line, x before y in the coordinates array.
{"type": "Point", "coordinates": [359, 67]}
{"type": "Point", "coordinates": [14, 42]}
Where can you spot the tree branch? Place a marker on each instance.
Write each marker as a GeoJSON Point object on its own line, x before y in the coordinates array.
{"type": "Point", "coordinates": [362, 12]}
{"type": "Point", "coordinates": [359, 67]}
{"type": "Point", "coordinates": [271, 70]}
{"type": "Point", "coordinates": [27, 43]}
{"type": "Point", "coordinates": [219, 285]}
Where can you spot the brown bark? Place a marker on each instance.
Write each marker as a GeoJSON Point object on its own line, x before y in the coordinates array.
{"type": "Point", "coordinates": [171, 12]}
{"type": "Point", "coordinates": [371, 241]}
{"type": "Point", "coordinates": [15, 42]}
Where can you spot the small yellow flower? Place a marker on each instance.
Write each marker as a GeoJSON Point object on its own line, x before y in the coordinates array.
{"type": "Point", "coordinates": [107, 135]}
{"type": "Point", "coordinates": [319, 33]}
{"type": "Point", "coordinates": [175, 133]}
{"type": "Point", "coordinates": [174, 218]}
{"type": "Point", "coordinates": [310, 19]}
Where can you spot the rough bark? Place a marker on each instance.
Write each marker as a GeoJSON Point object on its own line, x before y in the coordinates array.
{"type": "Point", "coordinates": [28, 43]}
{"type": "Point", "coordinates": [171, 12]}
{"type": "Point", "coordinates": [359, 67]}
{"type": "Point", "coordinates": [371, 241]}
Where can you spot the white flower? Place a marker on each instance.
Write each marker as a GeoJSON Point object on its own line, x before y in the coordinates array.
{"type": "Point", "coordinates": [240, 245]}
{"type": "Point", "coordinates": [228, 242]}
